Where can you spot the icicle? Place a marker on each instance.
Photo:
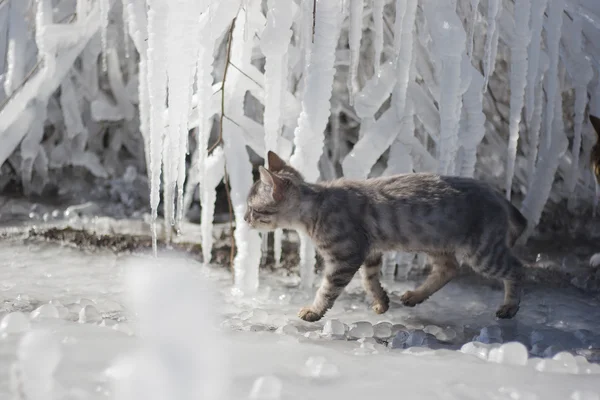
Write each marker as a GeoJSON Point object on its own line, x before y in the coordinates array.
{"type": "Point", "coordinates": [536, 118]}
{"type": "Point", "coordinates": [71, 111]}
{"type": "Point", "coordinates": [274, 44]}
{"type": "Point", "coordinates": [138, 30]}
{"type": "Point", "coordinates": [125, 16]}
{"type": "Point", "coordinates": [394, 75]}
{"type": "Point", "coordinates": [182, 56]}
{"type": "Point", "coordinates": [239, 169]}
{"type": "Point", "coordinates": [518, 81]}
{"type": "Point", "coordinates": [553, 28]}
{"type": "Point", "coordinates": [117, 85]}
{"type": "Point", "coordinates": [17, 46]}
{"type": "Point", "coordinates": [378, 33]}
{"type": "Point", "coordinates": [215, 167]}
{"type": "Point", "coordinates": [449, 41]}
{"type": "Point", "coordinates": [474, 129]}
{"type": "Point", "coordinates": [548, 161]}
{"type": "Point", "coordinates": [104, 10]}
{"type": "Point", "coordinates": [157, 95]}
{"type": "Point", "coordinates": [471, 32]}
{"type": "Point", "coordinates": [581, 74]}
{"type": "Point", "coordinates": [308, 136]}
{"type": "Point", "coordinates": [537, 19]}
{"type": "Point", "coordinates": [491, 40]}
{"type": "Point", "coordinates": [405, 57]}
{"type": "Point", "coordinates": [354, 37]}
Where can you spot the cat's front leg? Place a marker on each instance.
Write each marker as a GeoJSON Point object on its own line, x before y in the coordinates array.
{"type": "Point", "coordinates": [336, 278]}
{"type": "Point", "coordinates": [370, 271]}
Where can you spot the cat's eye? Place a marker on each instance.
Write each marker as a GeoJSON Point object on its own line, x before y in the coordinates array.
{"type": "Point", "coordinates": [262, 212]}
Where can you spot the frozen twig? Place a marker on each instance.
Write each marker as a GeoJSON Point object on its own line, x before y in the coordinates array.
{"type": "Point", "coordinates": [228, 57]}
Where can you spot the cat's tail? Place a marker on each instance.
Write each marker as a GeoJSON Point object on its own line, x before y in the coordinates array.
{"type": "Point", "coordinates": [517, 224]}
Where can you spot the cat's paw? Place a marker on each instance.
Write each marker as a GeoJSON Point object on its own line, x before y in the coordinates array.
{"type": "Point", "coordinates": [411, 299]}
{"type": "Point", "coordinates": [380, 308]}
{"type": "Point", "coordinates": [381, 305]}
{"type": "Point", "coordinates": [595, 260]}
{"type": "Point", "coordinates": [507, 311]}
{"type": "Point", "coordinates": [309, 315]}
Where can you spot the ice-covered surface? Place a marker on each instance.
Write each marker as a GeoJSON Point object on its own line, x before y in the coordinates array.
{"type": "Point", "coordinates": [267, 350]}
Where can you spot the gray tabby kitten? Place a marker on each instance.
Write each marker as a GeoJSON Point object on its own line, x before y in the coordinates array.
{"type": "Point", "coordinates": [353, 221]}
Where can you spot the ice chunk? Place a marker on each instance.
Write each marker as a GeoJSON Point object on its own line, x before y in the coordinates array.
{"type": "Point", "coordinates": [14, 322]}
{"type": "Point", "coordinates": [318, 367]}
{"type": "Point", "coordinates": [287, 329]}
{"type": "Point", "coordinates": [433, 330]}
{"type": "Point", "coordinates": [367, 346]}
{"type": "Point", "coordinates": [552, 350]}
{"type": "Point", "coordinates": [89, 314]}
{"type": "Point", "coordinates": [361, 329]}
{"type": "Point", "coordinates": [258, 316]}
{"type": "Point", "coordinates": [311, 335]}
{"type": "Point", "coordinates": [489, 334]}
{"type": "Point", "coordinates": [38, 355]}
{"type": "Point", "coordinates": [266, 388]}
{"type": "Point", "coordinates": [478, 349]}
{"type": "Point", "coordinates": [419, 338]}
{"type": "Point", "coordinates": [334, 327]}
{"type": "Point", "coordinates": [567, 360]}
{"type": "Point", "coordinates": [86, 302]}
{"type": "Point", "coordinates": [45, 311]}
{"type": "Point", "coordinates": [382, 330]}
{"type": "Point", "coordinates": [512, 353]}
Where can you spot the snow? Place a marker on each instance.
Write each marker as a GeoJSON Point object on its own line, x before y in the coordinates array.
{"type": "Point", "coordinates": [146, 309]}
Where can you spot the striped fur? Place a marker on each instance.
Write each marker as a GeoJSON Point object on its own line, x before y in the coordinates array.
{"type": "Point", "coordinates": [595, 164]}
{"type": "Point", "coordinates": [353, 221]}
{"type": "Point", "coordinates": [595, 155]}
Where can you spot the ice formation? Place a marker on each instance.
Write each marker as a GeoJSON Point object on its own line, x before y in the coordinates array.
{"type": "Point", "coordinates": [518, 81]}
{"type": "Point", "coordinates": [309, 135]}
{"type": "Point", "coordinates": [342, 107]}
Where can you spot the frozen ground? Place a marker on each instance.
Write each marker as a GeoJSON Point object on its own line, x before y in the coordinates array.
{"type": "Point", "coordinates": [266, 350]}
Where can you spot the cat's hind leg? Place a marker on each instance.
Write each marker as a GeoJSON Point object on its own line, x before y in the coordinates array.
{"type": "Point", "coordinates": [370, 279]}
{"type": "Point", "coordinates": [497, 261]}
{"type": "Point", "coordinates": [444, 268]}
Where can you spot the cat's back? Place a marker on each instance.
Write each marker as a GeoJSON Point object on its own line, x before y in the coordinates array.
{"type": "Point", "coordinates": [419, 187]}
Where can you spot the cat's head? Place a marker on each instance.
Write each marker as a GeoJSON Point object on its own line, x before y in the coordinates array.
{"type": "Point", "coordinates": [595, 156]}
{"type": "Point", "coordinates": [274, 199]}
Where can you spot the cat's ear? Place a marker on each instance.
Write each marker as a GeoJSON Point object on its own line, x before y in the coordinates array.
{"type": "Point", "coordinates": [596, 124]}
{"type": "Point", "coordinates": [276, 183]}
{"type": "Point", "coordinates": [275, 162]}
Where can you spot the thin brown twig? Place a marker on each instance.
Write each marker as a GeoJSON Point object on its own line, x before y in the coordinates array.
{"type": "Point", "coordinates": [246, 75]}
{"type": "Point", "coordinates": [229, 40]}
{"type": "Point", "coordinates": [230, 206]}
